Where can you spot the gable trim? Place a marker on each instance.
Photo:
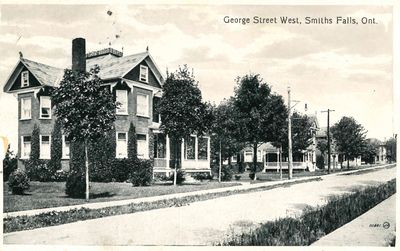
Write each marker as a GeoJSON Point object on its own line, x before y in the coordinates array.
{"type": "Point", "coordinates": [156, 71]}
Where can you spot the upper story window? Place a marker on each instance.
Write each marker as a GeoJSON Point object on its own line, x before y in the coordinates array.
{"type": "Point", "coordinates": [25, 79]}
{"type": "Point", "coordinates": [45, 147]}
{"type": "Point", "coordinates": [142, 104]}
{"type": "Point", "coordinates": [144, 73]}
{"type": "Point", "coordinates": [122, 145]}
{"type": "Point", "coordinates": [122, 98]}
{"type": "Point", "coordinates": [25, 147]}
{"type": "Point", "coordinates": [45, 107]}
{"type": "Point", "coordinates": [26, 107]}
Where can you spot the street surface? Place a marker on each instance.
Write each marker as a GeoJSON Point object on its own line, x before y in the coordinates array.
{"type": "Point", "coordinates": [201, 223]}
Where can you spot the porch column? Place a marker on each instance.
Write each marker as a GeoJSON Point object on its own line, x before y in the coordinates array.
{"type": "Point", "coordinates": [167, 150]}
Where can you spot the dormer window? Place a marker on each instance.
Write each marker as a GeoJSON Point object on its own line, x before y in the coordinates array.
{"type": "Point", "coordinates": [45, 107]}
{"type": "Point", "coordinates": [25, 79]}
{"type": "Point", "coordinates": [144, 73]}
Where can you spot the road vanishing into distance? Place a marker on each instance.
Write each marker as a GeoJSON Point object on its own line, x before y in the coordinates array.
{"type": "Point", "coordinates": [201, 223]}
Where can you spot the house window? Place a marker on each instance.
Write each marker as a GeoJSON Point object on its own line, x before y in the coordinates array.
{"type": "Point", "coordinates": [45, 107]}
{"type": "Point", "coordinates": [65, 147]}
{"type": "Point", "coordinates": [25, 147]}
{"type": "Point", "coordinates": [26, 106]}
{"type": "Point", "coordinates": [203, 148]}
{"type": "Point", "coordinates": [122, 145]}
{"type": "Point", "coordinates": [159, 145]}
{"type": "Point", "coordinates": [259, 156]}
{"type": "Point", "coordinates": [142, 150]}
{"type": "Point", "coordinates": [45, 147]}
{"type": "Point", "coordinates": [122, 99]}
{"type": "Point", "coordinates": [25, 79]}
{"type": "Point", "coordinates": [190, 148]}
{"type": "Point", "coordinates": [142, 104]}
{"type": "Point", "coordinates": [144, 73]}
{"type": "Point", "coordinates": [248, 156]}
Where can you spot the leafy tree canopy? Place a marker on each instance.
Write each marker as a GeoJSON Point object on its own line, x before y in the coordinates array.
{"type": "Point", "coordinates": [181, 108]}
{"type": "Point", "coordinates": [85, 107]}
{"type": "Point", "coordinates": [349, 137]}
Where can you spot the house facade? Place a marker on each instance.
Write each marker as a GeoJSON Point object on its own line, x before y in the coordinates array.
{"type": "Point", "coordinates": [136, 83]}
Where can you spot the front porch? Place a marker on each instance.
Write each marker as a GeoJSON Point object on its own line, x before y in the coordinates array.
{"type": "Point", "coordinates": [193, 153]}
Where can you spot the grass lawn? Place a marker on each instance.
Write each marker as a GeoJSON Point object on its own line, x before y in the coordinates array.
{"type": "Point", "coordinates": [52, 194]}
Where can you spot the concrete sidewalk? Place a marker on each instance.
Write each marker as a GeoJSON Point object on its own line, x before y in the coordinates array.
{"type": "Point", "coordinates": [376, 227]}
{"type": "Point", "coordinates": [97, 205]}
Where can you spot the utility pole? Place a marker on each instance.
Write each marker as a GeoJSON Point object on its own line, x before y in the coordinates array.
{"type": "Point", "coordinates": [290, 158]}
{"type": "Point", "coordinates": [329, 141]}
{"type": "Point", "coordinates": [220, 162]}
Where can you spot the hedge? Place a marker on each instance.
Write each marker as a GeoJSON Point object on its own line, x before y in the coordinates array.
{"type": "Point", "coordinates": [314, 223]}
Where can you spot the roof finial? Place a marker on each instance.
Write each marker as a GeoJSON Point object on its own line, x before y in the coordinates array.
{"type": "Point", "coordinates": [147, 48]}
{"type": "Point", "coordinates": [21, 55]}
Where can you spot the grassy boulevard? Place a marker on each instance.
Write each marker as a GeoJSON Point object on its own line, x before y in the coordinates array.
{"type": "Point", "coordinates": [314, 223]}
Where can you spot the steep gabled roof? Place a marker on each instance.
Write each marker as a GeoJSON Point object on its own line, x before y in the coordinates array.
{"type": "Point", "coordinates": [115, 67]}
{"type": "Point", "coordinates": [45, 74]}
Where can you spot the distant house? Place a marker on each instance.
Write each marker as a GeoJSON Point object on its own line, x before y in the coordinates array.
{"type": "Point", "coordinates": [269, 155]}
{"type": "Point", "coordinates": [135, 81]}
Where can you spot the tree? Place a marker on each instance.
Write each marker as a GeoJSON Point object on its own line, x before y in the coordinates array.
{"type": "Point", "coordinates": [391, 148]}
{"type": "Point", "coordinates": [182, 111]}
{"type": "Point", "coordinates": [322, 146]}
{"type": "Point", "coordinates": [56, 147]}
{"type": "Point", "coordinates": [349, 137]}
{"type": "Point", "coordinates": [132, 142]}
{"type": "Point", "coordinates": [370, 151]}
{"type": "Point", "coordinates": [260, 114]}
{"type": "Point", "coordinates": [301, 135]}
{"type": "Point", "coordinates": [223, 128]}
{"type": "Point", "coordinates": [9, 163]}
{"type": "Point", "coordinates": [85, 108]}
{"type": "Point", "coordinates": [35, 144]}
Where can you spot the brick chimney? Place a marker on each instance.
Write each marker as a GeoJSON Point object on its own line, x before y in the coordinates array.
{"type": "Point", "coordinates": [78, 55]}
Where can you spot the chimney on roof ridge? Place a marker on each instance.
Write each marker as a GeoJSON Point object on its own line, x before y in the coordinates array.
{"type": "Point", "coordinates": [147, 49]}
{"type": "Point", "coordinates": [21, 55]}
{"type": "Point", "coordinates": [78, 55]}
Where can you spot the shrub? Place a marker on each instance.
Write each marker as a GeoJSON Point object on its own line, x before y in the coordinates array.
{"type": "Point", "coordinates": [237, 177]}
{"type": "Point", "coordinates": [60, 175]}
{"type": "Point", "coordinates": [132, 142]}
{"type": "Point", "coordinates": [39, 170]}
{"type": "Point", "coordinates": [75, 186]}
{"type": "Point", "coordinates": [320, 162]}
{"type": "Point", "coordinates": [226, 173]}
{"type": "Point", "coordinates": [202, 176]}
{"type": "Point", "coordinates": [18, 182]}
{"type": "Point", "coordinates": [180, 177]}
{"type": "Point", "coordinates": [141, 173]}
{"type": "Point", "coordinates": [56, 147]}
{"type": "Point", "coordinates": [100, 154]}
{"type": "Point", "coordinates": [121, 169]}
{"type": "Point", "coordinates": [10, 164]}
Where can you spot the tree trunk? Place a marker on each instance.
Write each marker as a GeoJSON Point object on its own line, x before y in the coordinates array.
{"type": "Point", "coordinates": [255, 160]}
{"type": "Point", "coordinates": [220, 162]}
{"type": "Point", "coordinates": [348, 164]}
{"type": "Point", "coordinates": [87, 171]}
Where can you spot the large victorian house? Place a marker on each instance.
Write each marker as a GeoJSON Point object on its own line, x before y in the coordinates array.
{"type": "Point", "coordinates": [136, 82]}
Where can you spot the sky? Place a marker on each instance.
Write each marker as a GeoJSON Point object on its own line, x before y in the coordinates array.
{"type": "Point", "coordinates": [344, 67]}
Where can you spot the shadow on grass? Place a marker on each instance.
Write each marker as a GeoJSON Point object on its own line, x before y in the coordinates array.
{"type": "Point", "coordinates": [102, 195]}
